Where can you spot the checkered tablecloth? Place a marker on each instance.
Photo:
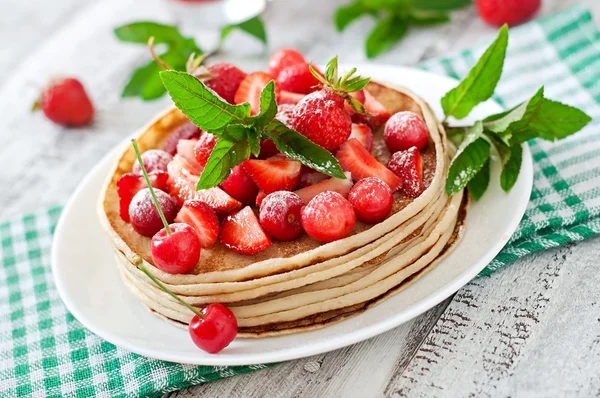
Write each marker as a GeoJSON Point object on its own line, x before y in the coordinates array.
{"type": "Point", "coordinates": [44, 351]}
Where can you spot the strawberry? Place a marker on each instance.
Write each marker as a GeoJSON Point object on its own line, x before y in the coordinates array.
{"type": "Point", "coordinates": [363, 134]}
{"type": "Point", "coordinates": [204, 148]}
{"type": "Point", "coordinates": [377, 113]}
{"type": "Point", "coordinates": [242, 233]}
{"type": "Point", "coordinates": [250, 89]}
{"type": "Point", "coordinates": [284, 113]}
{"type": "Point", "coordinates": [185, 149]}
{"type": "Point", "coordinates": [341, 186]}
{"type": "Point", "coordinates": [183, 178]}
{"type": "Point", "coordinates": [511, 12]}
{"type": "Point", "coordinates": [404, 130]}
{"type": "Point", "coordinates": [287, 97]}
{"type": "Point", "coordinates": [203, 219]}
{"type": "Point", "coordinates": [226, 81]}
{"type": "Point", "coordinates": [65, 102]}
{"type": "Point", "coordinates": [408, 165]}
{"type": "Point", "coordinates": [310, 177]}
{"type": "Point", "coordinates": [240, 186]}
{"type": "Point", "coordinates": [353, 157]}
{"type": "Point", "coordinates": [260, 197]}
{"type": "Point", "coordinates": [298, 79]}
{"type": "Point", "coordinates": [328, 217]}
{"type": "Point", "coordinates": [184, 132]}
{"type": "Point", "coordinates": [274, 175]}
{"type": "Point", "coordinates": [267, 149]}
{"type": "Point", "coordinates": [282, 59]}
{"type": "Point", "coordinates": [129, 184]}
{"type": "Point", "coordinates": [360, 96]}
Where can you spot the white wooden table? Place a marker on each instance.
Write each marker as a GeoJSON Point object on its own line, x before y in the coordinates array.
{"type": "Point", "coordinates": [531, 329]}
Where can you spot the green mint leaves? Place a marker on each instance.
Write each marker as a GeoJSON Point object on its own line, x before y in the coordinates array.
{"type": "Point", "coordinates": [537, 117]}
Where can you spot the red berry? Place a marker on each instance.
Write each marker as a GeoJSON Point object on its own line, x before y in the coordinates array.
{"type": "Point", "coordinates": [282, 59]}
{"type": "Point", "coordinates": [186, 150]}
{"type": "Point", "coordinates": [405, 129]}
{"type": "Point", "coordinates": [240, 186]}
{"type": "Point", "coordinates": [65, 102]}
{"type": "Point", "coordinates": [372, 200]}
{"type": "Point", "coordinates": [250, 89]}
{"type": "Point", "coordinates": [185, 132]}
{"type": "Point", "coordinates": [377, 113]}
{"type": "Point", "coordinates": [341, 186]}
{"type": "Point", "coordinates": [321, 118]}
{"type": "Point", "coordinates": [204, 147]}
{"type": "Point", "coordinates": [273, 174]}
{"type": "Point", "coordinates": [511, 12]}
{"type": "Point", "coordinates": [280, 215]}
{"type": "Point", "coordinates": [408, 165]}
{"type": "Point", "coordinates": [267, 149]}
{"type": "Point", "coordinates": [328, 217]}
{"type": "Point", "coordinates": [227, 81]}
{"type": "Point", "coordinates": [242, 233]}
{"type": "Point", "coordinates": [289, 98]}
{"type": "Point", "coordinates": [260, 197]}
{"type": "Point", "coordinates": [298, 79]}
{"type": "Point", "coordinates": [360, 96]}
{"type": "Point", "coordinates": [129, 184]}
{"type": "Point", "coordinates": [363, 134]}
{"type": "Point", "coordinates": [154, 160]}
{"type": "Point", "coordinates": [284, 113]}
{"type": "Point", "coordinates": [216, 330]}
{"type": "Point", "coordinates": [178, 252]}
{"type": "Point", "coordinates": [203, 219]}
{"type": "Point", "coordinates": [310, 177]}
{"type": "Point", "coordinates": [143, 214]}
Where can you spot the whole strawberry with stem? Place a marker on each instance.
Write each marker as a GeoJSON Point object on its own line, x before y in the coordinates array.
{"type": "Point", "coordinates": [65, 102]}
{"type": "Point", "coordinates": [321, 116]}
{"type": "Point", "coordinates": [211, 329]}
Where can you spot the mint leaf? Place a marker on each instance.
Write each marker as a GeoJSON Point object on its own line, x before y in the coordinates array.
{"type": "Point", "coordinates": [501, 146]}
{"type": "Point", "coordinates": [201, 105]}
{"type": "Point", "coordinates": [385, 35]}
{"type": "Point", "coordinates": [227, 153]}
{"type": "Point", "coordinates": [511, 169]}
{"type": "Point", "coordinates": [140, 32]}
{"type": "Point", "coordinates": [441, 5]}
{"type": "Point", "coordinates": [481, 81]}
{"type": "Point", "coordinates": [295, 146]}
{"type": "Point", "coordinates": [253, 26]}
{"type": "Point", "coordinates": [268, 106]}
{"type": "Point", "coordinates": [479, 183]}
{"type": "Point", "coordinates": [426, 18]}
{"type": "Point", "coordinates": [468, 160]}
{"type": "Point", "coordinates": [345, 15]}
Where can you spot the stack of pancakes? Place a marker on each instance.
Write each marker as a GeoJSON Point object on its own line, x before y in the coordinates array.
{"type": "Point", "coordinates": [302, 284]}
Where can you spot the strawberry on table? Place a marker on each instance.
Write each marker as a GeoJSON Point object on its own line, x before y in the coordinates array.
{"type": "Point", "coordinates": [282, 59]}
{"type": "Point", "coordinates": [240, 186]}
{"type": "Point", "coordinates": [241, 232]}
{"type": "Point", "coordinates": [203, 219]}
{"type": "Point", "coordinates": [404, 130]}
{"type": "Point", "coordinates": [204, 147]}
{"type": "Point", "coordinates": [273, 174]}
{"type": "Point", "coordinates": [511, 12]}
{"type": "Point", "coordinates": [363, 134]}
{"type": "Point", "coordinates": [372, 200]}
{"type": "Point", "coordinates": [328, 217]}
{"type": "Point", "coordinates": [408, 165]}
{"type": "Point", "coordinates": [227, 80]}
{"type": "Point", "coordinates": [187, 131]}
{"type": "Point", "coordinates": [341, 186]}
{"type": "Point", "coordinates": [280, 215]}
{"type": "Point", "coordinates": [250, 89]}
{"type": "Point", "coordinates": [65, 102]}
{"type": "Point", "coordinates": [129, 184]}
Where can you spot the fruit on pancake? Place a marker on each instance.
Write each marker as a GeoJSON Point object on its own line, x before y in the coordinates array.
{"type": "Point", "coordinates": [321, 117]}
{"type": "Point", "coordinates": [260, 197]}
{"type": "Point", "coordinates": [155, 160]}
{"type": "Point", "coordinates": [177, 251]}
{"type": "Point", "coordinates": [372, 200]}
{"type": "Point", "coordinates": [328, 217]}
{"type": "Point", "coordinates": [143, 214]}
{"type": "Point", "coordinates": [310, 177]}
{"type": "Point", "coordinates": [250, 89]}
{"type": "Point", "coordinates": [242, 233]}
{"type": "Point", "coordinates": [284, 113]}
{"type": "Point", "coordinates": [182, 185]}
{"type": "Point", "coordinates": [404, 130]}
{"type": "Point", "coordinates": [511, 12]}
{"type": "Point", "coordinates": [185, 149]}
{"type": "Point", "coordinates": [65, 102]}
{"type": "Point", "coordinates": [377, 113]}
{"type": "Point", "coordinates": [282, 59]}
{"type": "Point", "coordinates": [204, 147]}
{"type": "Point", "coordinates": [363, 134]}
{"type": "Point", "coordinates": [274, 174]}
{"type": "Point", "coordinates": [408, 165]}
{"type": "Point", "coordinates": [360, 96]}
{"type": "Point", "coordinates": [353, 157]}
{"type": "Point", "coordinates": [203, 219]}
{"type": "Point", "coordinates": [289, 98]}
{"type": "Point", "coordinates": [267, 149]}
{"type": "Point", "coordinates": [226, 81]}
{"type": "Point", "coordinates": [185, 132]}
{"type": "Point", "coordinates": [298, 79]}
{"type": "Point", "coordinates": [341, 186]}
{"type": "Point", "coordinates": [240, 186]}
{"type": "Point", "coordinates": [280, 215]}
{"type": "Point", "coordinates": [215, 329]}
{"type": "Point", "coordinates": [129, 184]}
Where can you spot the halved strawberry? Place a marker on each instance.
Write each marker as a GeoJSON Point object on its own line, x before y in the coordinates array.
{"type": "Point", "coordinates": [203, 219]}
{"type": "Point", "coordinates": [274, 175]}
{"type": "Point", "coordinates": [408, 165]}
{"type": "Point", "coordinates": [129, 184]}
{"type": "Point", "coordinates": [338, 185]}
{"type": "Point", "coordinates": [363, 134]}
{"type": "Point", "coordinates": [353, 157]}
{"type": "Point", "coordinates": [310, 177]}
{"type": "Point", "coordinates": [259, 198]}
{"type": "Point", "coordinates": [185, 132]}
{"type": "Point", "coordinates": [287, 97]}
{"type": "Point", "coordinates": [250, 89]}
{"type": "Point", "coordinates": [240, 186]}
{"type": "Point", "coordinates": [378, 114]}
{"type": "Point", "coordinates": [185, 149]}
{"type": "Point", "coordinates": [182, 185]}
{"type": "Point", "coordinates": [242, 233]}
{"type": "Point", "coordinates": [227, 80]}
{"type": "Point", "coordinates": [204, 148]}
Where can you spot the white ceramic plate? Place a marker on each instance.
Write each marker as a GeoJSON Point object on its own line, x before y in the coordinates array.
{"type": "Point", "coordinates": [89, 283]}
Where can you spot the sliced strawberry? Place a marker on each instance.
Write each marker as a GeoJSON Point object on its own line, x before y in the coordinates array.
{"type": "Point", "coordinates": [240, 186]}
{"type": "Point", "coordinates": [185, 149]}
{"type": "Point", "coordinates": [363, 134]}
{"type": "Point", "coordinates": [242, 233]}
{"type": "Point", "coordinates": [287, 97]}
{"type": "Point", "coordinates": [183, 178]}
{"type": "Point", "coordinates": [310, 177]}
{"type": "Point", "coordinates": [203, 219]}
{"type": "Point", "coordinates": [250, 89]}
{"type": "Point", "coordinates": [129, 184]}
{"type": "Point", "coordinates": [227, 80]}
{"type": "Point", "coordinates": [204, 148]}
{"type": "Point", "coordinates": [185, 132]}
{"type": "Point", "coordinates": [408, 165]}
{"type": "Point", "coordinates": [338, 185]}
{"type": "Point", "coordinates": [378, 114]}
{"type": "Point", "coordinates": [353, 157]}
{"type": "Point", "coordinates": [274, 175]}
{"type": "Point", "coordinates": [260, 197]}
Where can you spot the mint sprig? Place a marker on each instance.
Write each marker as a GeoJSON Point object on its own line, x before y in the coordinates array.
{"type": "Point", "coordinates": [537, 117]}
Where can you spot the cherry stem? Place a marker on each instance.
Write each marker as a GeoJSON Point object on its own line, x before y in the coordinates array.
{"type": "Point", "coordinates": [140, 265]}
{"type": "Point", "coordinates": [159, 61]}
{"type": "Point", "coordinates": [150, 187]}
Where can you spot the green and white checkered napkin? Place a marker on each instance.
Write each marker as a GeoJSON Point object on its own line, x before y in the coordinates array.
{"type": "Point", "coordinates": [44, 351]}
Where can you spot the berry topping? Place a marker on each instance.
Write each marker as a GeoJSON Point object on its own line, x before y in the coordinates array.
{"type": "Point", "coordinates": [282, 59]}
{"type": "Point", "coordinates": [511, 12]}
{"type": "Point", "coordinates": [353, 157]}
{"type": "Point", "coordinates": [289, 98]}
{"type": "Point", "coordinates": [404, 130]}
{"type": "Point", "coordinates": [154, 160]}
{"type": "Point", "coordinates": [185, 149]}
{"type": "Point", "coordinates": [65, 102]}
{"type": "Point", "coordinates": [341, 186]}
{"type": "Point", "coordinates": [215, 330]}
{"type": "Point", "coordinates": [185, 132]}
{"type": "Point", "coordinates": [298, 79]}
{"type": "Point", "coordinates": [372, 200]}
{"type": "Point", "coordinates": [242, 233]}
{"type": "Point", "coordinates": [284, 113]}
{"type": "Point", "coordinates": [280, 215]}
{"type": "Point", "coordinates": [129, 184]}
{"type": "Point", "coordinates": [251, 88]}
{"type": "Point", "coordinates": [203, 219]}
{"type": "Point", "coordinates": [143, 214]}
{"type": "Point", "coordinates": [310, 177]}
{"type": "Point", "coordinates": [176, 252]}
{"type": "Point", "coordinates": [274, 175]}
{"type": "Point", "coordinates": [377, 113]}
{"type": "Point", "coordinates": [363, 134]}
{"type": "Point", "coordinates": [240, 186]}
{"type": "Point", "coordinates": [204, 148]}
{"type": "Point", "coordinates": [267, 149]}
{"type": "Point", "coordinates": [226, 81]}
{"type": "Point", "coordinates": [260, 197]}
{"type": "Point", "coordinates": [408, 165]}
{"type": "Point", "coordinates": [360, 96]}
{"type": "Point", "coordinates": [328, 217]}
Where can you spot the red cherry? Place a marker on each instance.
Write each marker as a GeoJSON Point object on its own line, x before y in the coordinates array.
{"type": "Point", "coordinates": [328, 217]}
{"type": "Point", "coordinates": [216, 330]}
{"type": "Point", "coordinates": [403, 130]}
{"type": "Point", "coordinates": [154, 160]}
{"type": "Point", "coordinates": [177, 252]}
{"type": "Point", "coordinates": [143, 214]}
{"type": "Point", "coordinates": [280, 215]}
{"type": "Point", "coordinates": [240, 186]}
{"type": "Point", "coordinates": [372, 200]}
